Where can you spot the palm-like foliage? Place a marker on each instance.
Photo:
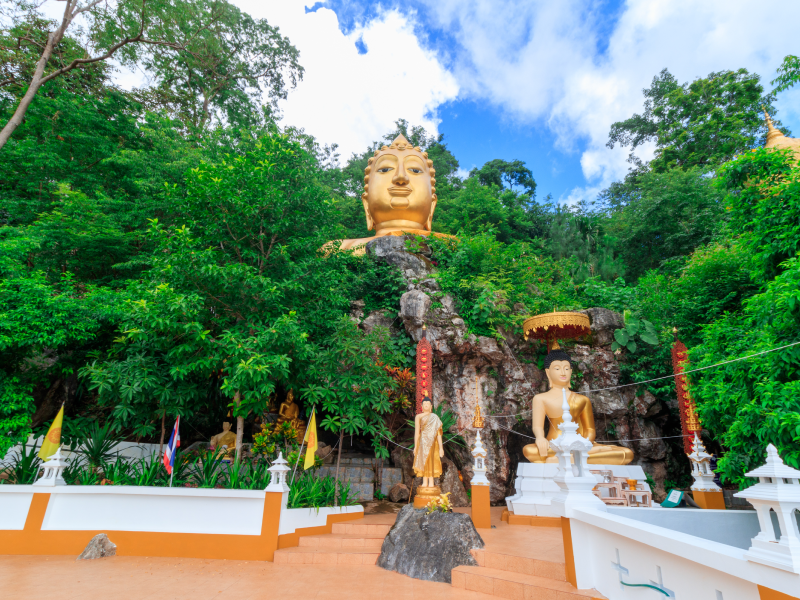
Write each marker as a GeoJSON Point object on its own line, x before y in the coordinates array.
{"type": "Point", "coordinates": [26, 467]}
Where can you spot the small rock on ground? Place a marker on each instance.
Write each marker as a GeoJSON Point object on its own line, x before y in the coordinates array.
{"type": "Point", "coordinates": [99, 547]}
{"type": "Point", "coordinates": [398, 493]}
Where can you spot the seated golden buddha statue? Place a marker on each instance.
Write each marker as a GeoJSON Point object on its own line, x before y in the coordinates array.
{"type": "Point", "coordinates": [290, 412]}
{"type": "Point", "coordinates": [558, 368]}
{"type": "Point", "coordinates": [399, 193]}
{"type": "Point", "coordinates": [226, 438]}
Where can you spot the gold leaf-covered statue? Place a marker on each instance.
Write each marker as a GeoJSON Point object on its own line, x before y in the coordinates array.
{"type": "Point", "coordinates": [558, 368]}
{"type": "Point", "coordinates": [428, 452]}
{"type": "Point", "coordinates": [225, 441]}
{"type": "Point", "coordinates": [477, 420]}
{"type": "Point", "coordinates": [399, 193]}
{"type": "Point", "coordinates": [290, 412]}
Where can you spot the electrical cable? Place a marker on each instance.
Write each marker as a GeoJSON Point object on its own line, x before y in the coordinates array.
{"type": "Point", "coordinates": [616, 387]}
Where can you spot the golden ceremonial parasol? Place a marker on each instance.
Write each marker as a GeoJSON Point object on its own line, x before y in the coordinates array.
{"type": "Point", "coordinates": [556, 325]}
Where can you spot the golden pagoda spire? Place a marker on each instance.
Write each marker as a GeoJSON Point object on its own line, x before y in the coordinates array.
{"type": "Point", "coordinates": [773, 134]}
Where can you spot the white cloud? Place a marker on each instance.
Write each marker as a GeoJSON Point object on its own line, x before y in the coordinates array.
{"type": "Point", "coordinates": [354, 99]}
{"type": "Point", "coordinates": [539, 61]}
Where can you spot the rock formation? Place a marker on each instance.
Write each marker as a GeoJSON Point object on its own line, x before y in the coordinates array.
{"type": "Point", "coordinates": [99, 547]}
{"type": "Point", "coordinates": [508, 377]}
{"type": "Point", "coordinates": [430, 546]}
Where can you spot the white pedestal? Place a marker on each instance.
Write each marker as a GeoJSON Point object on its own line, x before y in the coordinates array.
{"type": "Point", "coordinates": [535, 488]}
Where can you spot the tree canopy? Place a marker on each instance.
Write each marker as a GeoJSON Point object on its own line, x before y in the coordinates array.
{"type": "Point", "coordinates": [699, 124]}
{"type": "Point", "coordinates": [161, 248]}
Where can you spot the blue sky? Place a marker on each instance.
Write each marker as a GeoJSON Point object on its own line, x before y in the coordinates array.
{"type": "Point", "coordinates": [535, 80]}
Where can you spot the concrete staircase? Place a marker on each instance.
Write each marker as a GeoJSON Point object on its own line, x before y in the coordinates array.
{"type": "Point", "coordinates": [348, 544]}
{"type": "Point", "coordinates": [518, 578]}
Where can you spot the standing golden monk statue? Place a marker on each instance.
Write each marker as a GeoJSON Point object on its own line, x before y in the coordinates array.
{"type": "Point", "coordinates": [399, 193]}
{"type": "Point", "coordinates": [428, 451]}
{"type": "Point", "coordinates": [558, 368]}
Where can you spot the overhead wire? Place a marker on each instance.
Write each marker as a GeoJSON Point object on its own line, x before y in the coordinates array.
{"type": "Point", "coordinates": [719, 364]}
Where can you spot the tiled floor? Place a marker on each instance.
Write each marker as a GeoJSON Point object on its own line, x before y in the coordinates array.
{"type": "Point", "coordinates": [543, 543]}
{"type": "Point", "coordinates": [134, 578]}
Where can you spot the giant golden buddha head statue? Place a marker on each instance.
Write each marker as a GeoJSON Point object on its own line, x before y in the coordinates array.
{"type": "Point", "coordinates": [399, 188]}
{"type": "Point", "coordinates": [399, 193]}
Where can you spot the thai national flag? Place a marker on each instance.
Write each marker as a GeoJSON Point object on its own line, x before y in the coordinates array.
{"type": "Point", "coordinates": [172, 447]}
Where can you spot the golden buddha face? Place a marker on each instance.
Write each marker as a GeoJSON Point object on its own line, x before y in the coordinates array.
{"type": "Point", "coordinates": [400, 189]}
{"type": "Point", "coordinates": [427, 405]}
{"type": "Point", "coordinates": [559, 373]}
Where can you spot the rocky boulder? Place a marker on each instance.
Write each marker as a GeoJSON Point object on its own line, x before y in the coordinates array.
{"type": "Point", "coordinates": [430, 546]}
{"type": "Point", "coordinates": [398, 493]}
{"type": "Point", "coordinates": [392, 249]}
{"type": "Point", "coordinates": [99, 547]}
{"type": "Point", "coordinates": [378, 318]}
{"type": "Point", "coordinates": [450, 483]}
{"type": "Point", "coordinates": [603, 323]}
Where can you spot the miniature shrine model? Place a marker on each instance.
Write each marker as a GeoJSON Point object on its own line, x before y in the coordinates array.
{"type": "Point", "coordinates": [582, 522]}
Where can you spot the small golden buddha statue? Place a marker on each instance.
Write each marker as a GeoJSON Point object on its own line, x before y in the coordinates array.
{"type": "Point", "coordinates": [477, 419]}
{"type": "Point", "coordinates": [290, 412]}
{"type": "Point", "coordinates": [558, 368]}
{"type": "Point", "coordinates": [399, 193]}
{"type": "Point", "coordinates": [226, 438]}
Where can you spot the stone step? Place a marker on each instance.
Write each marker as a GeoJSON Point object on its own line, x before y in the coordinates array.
{"type": "Point", "coordinates": [361, 529]}
{"type": "Point", "coordinates": [517, 586]}
{"type": "Point", "coordinates": [302, 555]}
{"type": "Point", "coordinates": [338, 541]}
{"type": "Point", "coordinates": [520, 564]}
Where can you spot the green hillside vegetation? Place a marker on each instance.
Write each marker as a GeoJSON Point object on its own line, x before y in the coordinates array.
{"type": "Point", "coordinates": [159, 249]}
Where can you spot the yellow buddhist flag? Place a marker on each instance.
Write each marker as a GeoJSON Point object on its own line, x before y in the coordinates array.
{"type": "Point", "coordinates": [52, 441]}
{"type": "Point", "coordinates": [311, 438]}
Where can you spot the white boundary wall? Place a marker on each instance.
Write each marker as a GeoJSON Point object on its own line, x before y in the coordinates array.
{"type": "Point", "coordinates": [154, 509]}
{"type": "Point", "coordinates": [692, 567]}
{"type": "Point", "coordinates": [15, 500]}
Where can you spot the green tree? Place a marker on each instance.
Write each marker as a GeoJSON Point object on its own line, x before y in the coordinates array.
{"type": "Point", "coordinates": [667, 216]}
{"type": "Point", "coordinates": [699, 124]}
{"type": "Point", "coordinates": [764, 203]}
{"type": "Point", "coordinates": [751, 403]}
{"type": "Point", "coordinates": [788, 74]}
{"type": "Point", "coordinates": [583, 237]}
{"type": "Point", "coordinates": [240, 61]}
{"type": "Point", "coordinates": [350, 387]}
{"type": "Point", "coordinates": [46, 331]}
{"type": "Point", "coordinates": [232, 298]}
{"type": "Point", "coordinates": [506, 175]}
{"type": "Point", "coordinates": [225, 57]}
